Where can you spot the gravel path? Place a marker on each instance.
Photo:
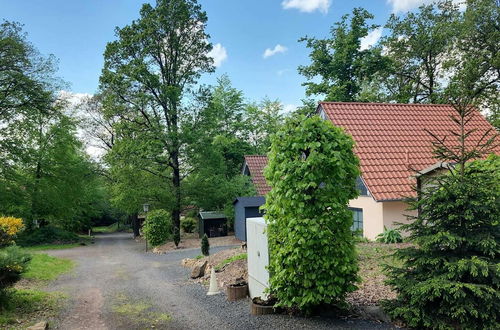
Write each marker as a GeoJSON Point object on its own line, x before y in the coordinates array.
{"type": "Point", "coordinates": [115, 285]}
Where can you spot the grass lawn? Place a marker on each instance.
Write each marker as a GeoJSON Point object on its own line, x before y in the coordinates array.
{"type": "Point", "coordinates": [45, 267]}
{"type": "Point", "coordinates": [44, 247]}
{"type": "Point", "coordinates": [26, 303]}
{"type": "Point", "coordinates": [113, 228]}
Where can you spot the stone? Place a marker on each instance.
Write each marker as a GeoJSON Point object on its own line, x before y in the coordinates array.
{"type": "Point", "coordinates": [43, 325]}
{"type": "Point", "coordinates": [199, 269]}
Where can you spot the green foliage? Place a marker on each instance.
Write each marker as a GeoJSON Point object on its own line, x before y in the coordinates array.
{"type": "Point", "coordinates": [45, 267]}
{"type": "Point", "coordinates": [205, 245]}
{"type": "Point", "coordinates": [20, 307]}
{"type": "Point", "coordinates": [450, 278]}
{"type": "Point", "coordinates": [312, 171]}
{"type": "Point", "coordinates": [46, 235]}
{"type": "Point", "coordinates": [227, 261]}
{"type": "Point", "coordinates": [13, 262]}
{"type": "Point", "coordinates": [157, 227]}
{"type": "Point", "coordinates": [188, 224]}
{"type": "Point", "coordinates": [390, 236]}
{"type": "Point", "coordinates": [339, 62]}
{"type": "Point", "coordinates": [177, 236]}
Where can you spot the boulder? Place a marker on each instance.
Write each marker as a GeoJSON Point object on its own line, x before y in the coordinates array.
{"type": "Point", "coordinates": [199, 269]}
{"type": "Point", "coordinates": [43, 325]}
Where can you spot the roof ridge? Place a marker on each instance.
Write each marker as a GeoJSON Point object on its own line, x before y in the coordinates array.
{"type": "Point", "coordinates": [386, 103]}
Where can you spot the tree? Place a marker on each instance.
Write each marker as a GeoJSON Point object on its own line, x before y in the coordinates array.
{"type": "Point", "coordinates": [340, 62]}
{"type": "Point", "coordinates": [312, 172]}
{"type": "Point", "coordinates": [449, 278]}
{"type": "Point", "coordinates": [146, 74]}
{"type": "Point", "coordinates": [263, 120]}
{"type": "Point", "coordinates": [419, 47]}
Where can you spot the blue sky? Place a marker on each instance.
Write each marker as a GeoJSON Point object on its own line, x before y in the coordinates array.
{"type": "Point", "coordinates": [77, 31]}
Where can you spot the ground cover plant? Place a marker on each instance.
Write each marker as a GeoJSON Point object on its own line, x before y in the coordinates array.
{"type": "Point", "coordinates": [312, 171]}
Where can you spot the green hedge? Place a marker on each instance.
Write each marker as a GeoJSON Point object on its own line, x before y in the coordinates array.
{"type": "Point", "coordinates": [158, 227]}
{"type": "Point", "coordinates": [46, 235]}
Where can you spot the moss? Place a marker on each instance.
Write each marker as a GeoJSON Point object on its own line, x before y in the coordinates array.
{"type": "Point", "coordinates": [140, 312]}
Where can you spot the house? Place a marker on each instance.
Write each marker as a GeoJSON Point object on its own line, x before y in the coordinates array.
{"type": "Point", "coordinates": [393, 144]}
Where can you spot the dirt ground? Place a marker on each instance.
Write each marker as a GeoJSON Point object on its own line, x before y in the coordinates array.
{"type": "Point", "coordinates": [371, 256]}
{"type": "Point", "coordinates": [190, 241]}
{"type": "Point", "coordinates": [229, 274]}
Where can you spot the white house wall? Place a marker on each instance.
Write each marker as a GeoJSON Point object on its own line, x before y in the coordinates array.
{"type": "Point", "coordinates": [395, 212]}
{"type": "Point", "coordinates": [373, 215]}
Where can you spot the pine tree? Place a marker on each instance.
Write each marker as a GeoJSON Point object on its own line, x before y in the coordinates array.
{"type": "Point", "coordinates": [450, 278]}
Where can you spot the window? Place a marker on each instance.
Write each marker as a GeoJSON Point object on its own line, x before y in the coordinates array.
{"type": "Point", "coordinates": [360, 185]}
{"type": "Point", "coordinates": [357, 215]}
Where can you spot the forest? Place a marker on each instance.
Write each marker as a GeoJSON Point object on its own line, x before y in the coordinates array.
{"type": "Point", "coordinates": [159, 136]}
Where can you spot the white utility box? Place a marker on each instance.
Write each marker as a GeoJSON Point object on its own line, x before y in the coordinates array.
{"type": "Point", "coordinates": [258, 257]}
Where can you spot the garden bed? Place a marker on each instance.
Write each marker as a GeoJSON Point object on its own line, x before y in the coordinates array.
{"type": "Point", "coordinates": [371, 256]}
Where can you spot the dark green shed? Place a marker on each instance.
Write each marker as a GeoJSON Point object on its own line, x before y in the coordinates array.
{"type": "Point", "coordinates": [214, 224]}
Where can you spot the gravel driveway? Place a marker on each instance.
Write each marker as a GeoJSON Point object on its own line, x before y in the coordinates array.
{"type": "Point", "coordinates": [116, 285]}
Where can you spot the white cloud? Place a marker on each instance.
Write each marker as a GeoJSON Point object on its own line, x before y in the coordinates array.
{"type": "Point", "coordinates": [219, 54]}
{"type": "Point", "coordinates": [371, 39]}
{"type": "Point", "coordinates": [287, 108]}
{"type": "Point", "coordinates": [282, 72]}
{"type": "Point", "coordinates": [277, 49]}
{"type": "Point", "coordinates": [406, 5]}
{"type": "Point", "coordinates": [307, 6]}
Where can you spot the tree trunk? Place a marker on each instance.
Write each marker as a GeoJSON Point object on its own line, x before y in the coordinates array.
{"type": "Point", "coordinates": [176, 180]}
{"type": "Point", "coordinates": [135, 224]}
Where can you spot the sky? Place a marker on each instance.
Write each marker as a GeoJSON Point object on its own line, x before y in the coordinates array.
{"type": "Point", "coordinates": [255, 41]}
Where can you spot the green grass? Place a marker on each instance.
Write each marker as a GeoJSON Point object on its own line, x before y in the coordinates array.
{"type": "Point", "coordinates": [106, 229]}
{"type": "Point", "coordinates": [25, 306]}
{"type": "Point", "coordinates": [140, 312]}
{"type": "Point", "coordinates": [45, 267]}
{"type": "Point", "coordinates": [229, 260]}
{"type": "Point", "coordinates": [44, 247]}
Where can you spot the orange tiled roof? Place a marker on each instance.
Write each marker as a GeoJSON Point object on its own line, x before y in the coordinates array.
{"type": "Point", "coordinates": [391, 140]}
{"type": "Point", "coordinates": [256, 164]}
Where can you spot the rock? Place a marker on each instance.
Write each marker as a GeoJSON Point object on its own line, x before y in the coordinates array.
{"type": "Point", "coordinates": [199, 269]}
{"type": "Point", "coordinates": [43, 325]}
{"type": "Point", "coordinates": [375, 313]}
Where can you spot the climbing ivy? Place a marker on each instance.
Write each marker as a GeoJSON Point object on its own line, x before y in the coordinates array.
{"type": "Point", "coordinates": [312, 171]}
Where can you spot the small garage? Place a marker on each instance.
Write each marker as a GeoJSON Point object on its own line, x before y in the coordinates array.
{"type": "Point", "coordinates": [246, 207]}
{"type": "Point", "coordinates": [214, 224]}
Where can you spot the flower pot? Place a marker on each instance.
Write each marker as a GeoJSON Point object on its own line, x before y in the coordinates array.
{"type": "Point", "coordinates": [257, 309]}
{"type": "Point", "coordinates": [236, 291]}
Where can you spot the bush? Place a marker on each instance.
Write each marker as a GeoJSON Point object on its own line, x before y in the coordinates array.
{"type": "Point", "coordinates": [205, 245]}
{"type": "Point", "coordinates": [312, 171]}
{"type": "Point", "coordinates": [157, 227]}
{"type": "Point", "coordinates": [46, 235]}
{"type": "Point", "coordinates": [9, 228]}
{"type": "Point", "coordinates": [13, 262]}
{"type": "Point", "coordinates": [450, 279]}
{"type": "Point", "coordinates": [390, 236]}
{"type": "Point", "coordinates": [188, 225]}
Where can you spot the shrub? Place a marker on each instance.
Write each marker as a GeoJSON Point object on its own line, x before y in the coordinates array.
{"type": "Point", "coordinates": [13, 262]}
{"type": "Point", "coordinates": [46, 235]}
{"type": "Point", "coordinates": [390, 236]}
{"type": "Point", "coordinates": [450, 279]}
{"type": "Point", "coordinates": [157, 227]}
{"type": "Point", "coordinates": [177, 236]}
{"type": "Point", "coordinates": [205, 245]}
{"type": "Point", "coordinates": [188, 225]}
{"type": "Point", "coordinates": [9, 228]}
{"type": "Point", "coordinates": [312, 171]}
